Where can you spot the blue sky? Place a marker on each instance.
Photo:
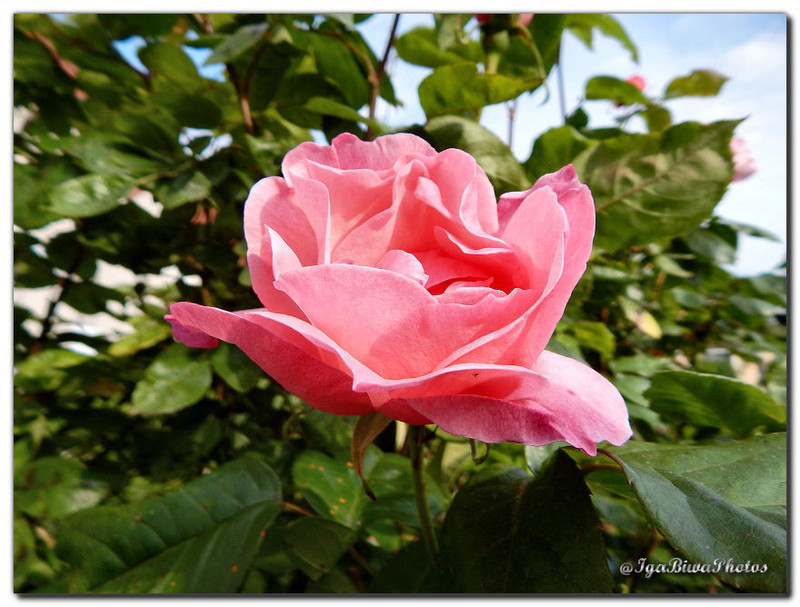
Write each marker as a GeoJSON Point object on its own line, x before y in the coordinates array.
{"type": "Point", "coordinates": [750, 49]}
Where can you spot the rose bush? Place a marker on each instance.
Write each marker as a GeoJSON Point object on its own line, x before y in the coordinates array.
{"type": "Point", "coordinates": [393, 281]}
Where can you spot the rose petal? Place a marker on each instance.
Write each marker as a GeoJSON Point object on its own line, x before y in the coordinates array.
{"type": "Point", "coordinates": [576, 201]}
{"type": "Point", "coordinates": [587, 407]}
{"type": "Point", "coordinates": [351, 153]}
{"type": "Point", "coordinates": [189, 336]}
{"type": "Point", "coordinates": [575, 404]}
{"type": "Point", "coordinates": [389, 322]}
{"type": "Point", "coordinates": [448, 192]}
{"type": "Point", "coordinates": [319, 384]}
{"type": "Point", "coordinates": [269, 209]}
{"type": "Point", "coordinates": [537, 230]}
{"type": "Point", "coordinates": [404, 263]}
{"type": "Point", "coordinates": [465, 191]}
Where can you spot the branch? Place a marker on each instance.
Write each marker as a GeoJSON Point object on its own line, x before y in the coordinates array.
{"type": "Point", "coordinates": [376, 76]}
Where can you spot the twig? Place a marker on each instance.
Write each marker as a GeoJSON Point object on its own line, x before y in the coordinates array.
{"type": "Point", "coordinates": [376, 76]}
{"type": "Point", "coordinates": [512, 112]}
{"type": "Point", "coordinates": [561, 92]}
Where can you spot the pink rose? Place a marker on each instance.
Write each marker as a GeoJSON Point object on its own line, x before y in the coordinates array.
{"type": "Point", "coordinates": [392, 281]}
{"type": "Point", "coordinates": [637, 81]}
{"type": "Point", "coordinates": [743, 163]}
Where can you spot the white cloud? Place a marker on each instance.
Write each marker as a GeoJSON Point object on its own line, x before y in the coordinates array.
{"type": "Point", "coordinates": [758, 59]}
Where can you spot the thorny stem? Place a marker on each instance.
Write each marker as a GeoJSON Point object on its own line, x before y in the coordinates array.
{"type": "Point", "coordinates": [418, 469]}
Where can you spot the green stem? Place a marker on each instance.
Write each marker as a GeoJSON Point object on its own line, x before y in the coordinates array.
{"type": "Point", "coordinates": [418, 469]}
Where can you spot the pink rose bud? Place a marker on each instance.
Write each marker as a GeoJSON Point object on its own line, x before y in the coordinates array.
{"type": "Point", "coordinates": [393, 281]}
{"type": "Point", "coordinates": [637, 81]}
{"type": "Point", "coordinates": [743, 163]}
{"type": "Point", "coordinates": [524, 19]}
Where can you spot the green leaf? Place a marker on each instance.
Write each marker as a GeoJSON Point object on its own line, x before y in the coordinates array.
{"type": "Point", "coordinates": [614, 89]}
{"type": "Point", "coordinates": [173, 381]}
{"type": "Point", "coordinates": [316, 544]}
{"type": "Point", "coordinates": [45, 370]}
{"type": "Point", "coordinates": [420, 46]}
{"type": "Point", "coordinates": [30, 198]}
{"type": "Point", "coordinates": [582, 25]}
{"type": "Point", "coordinates": [651, 187]}
{"type": "Point", "coordinates": [688, 298]}
{"type": "Point", "coordinates": [538, 456]}
{"type": "Point", "coordinates": [148, 332]}
{"type": "Point", "coordinates": [717, 502]}
{"type": "Point", "coordinates": [339, 65]}
{"type": "Point", "coordinates": [554, 149]}
{"type": "Point", "coordinates": [335, 491]}
{"type": "Point", "coordinates": [449, 29]}
{"type": "Point", "coordinates": [735, 407]}
{"type": "Point", "coordinates": [190, 109]}
{"type": "Point", "coordinates": [295, 90]}
{"type": "Point", "coordinates": [137, 24]}
{"type": "Point", "coordinates": [336, 581]}
{"type": "Point", "coordinates": [668, 265]}
{"type": "Point", "coordinates": [507, 532]}
{"type": "Point", "coordinates": [410, 571]}
{"type": "Point", "coordinates": [90, 195]}
{"type": "Point", "coordinates": [657, 118]}
{"type": "Point", "coordinates": [754, 306]}
{"type": "Point", "coordinates": [716, 243]}
{"type": "Point", "coordinates": [235, 367]}
{"type": "Point", "coordinates": [53, 487]}
{"type": "Point", "coordinates": [640, 317]}
{"type": "Point", "coordinates": [547, 30]}
{"type": "Point", "coordinates": [331, 107]}
{"type": "Point", "coordinates": [186, 186]}
{"type": "Point", "coordinates": [494, 156]}
{"type": "Point", "coordinates": [346, 19]}
{"type": "Point", "coordinates": [459, 88]}
{"type": "Point", "coordinates": [109, 152]}
{"type": "Point", "coordinates": [595, 336]}
{"type": "Point", "coordinates": [700, 83]}
{"type": "Point", "coordinates": [236, 44]}
{"type": "Point", "coordinates": [169, 65]}
{"type": "Point", "coordinates": [750, 230]}
{"type": "Point", "coordinates": [200, 537]}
